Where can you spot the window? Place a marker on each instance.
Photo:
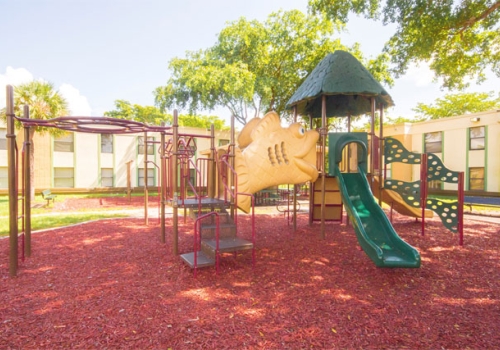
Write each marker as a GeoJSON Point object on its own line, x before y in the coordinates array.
{"type": "Point", "coordinates": [223, 142]}
{"type": "Point", "coordinates": [64, 177]}
{"type": "Point", "coordinates": [434, 185]}
{"type": "Point", "coordinates": [151, 177]}
{"type": "Point", "coordinates": [4, 177]}
{"type": "Point", "coordinates": [106, 143]}
{"type": "Point", "coordinates": [433, 142]}
{"type": "Point", "coordinates": [3, 138]}
{"type": "Point", "coordinates": [151, 147]}
{"type": "Point", "coordinates": [64, 143]}
{"type": "Point", "coordinates": [107, 177]}
{"type": "Point", "coordinates": [476, 138]}
{"type": "Point", "coordinates": [476, 179]}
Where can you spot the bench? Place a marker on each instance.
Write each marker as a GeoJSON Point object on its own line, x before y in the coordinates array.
{"type": "Point", "coordinates": [48, 196]}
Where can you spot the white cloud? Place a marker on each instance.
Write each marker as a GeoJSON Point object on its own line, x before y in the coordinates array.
{"type": "Point", "coordinates": [420, 74]}
{"type": "Point", "coordinates": [12, 76]}
{"type": "Point", "coordinates": [78, 105]}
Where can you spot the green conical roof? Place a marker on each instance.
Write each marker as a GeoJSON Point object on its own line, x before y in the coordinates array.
{"type": "Point", "coordinates": [347, 85]}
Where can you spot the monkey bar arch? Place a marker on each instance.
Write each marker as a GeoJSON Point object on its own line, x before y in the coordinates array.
{"type": "Point", "coordinates": [95, 125]}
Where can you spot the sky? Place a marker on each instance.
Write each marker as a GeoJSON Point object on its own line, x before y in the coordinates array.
{"type": "Point", "coordinates": [99, 51]}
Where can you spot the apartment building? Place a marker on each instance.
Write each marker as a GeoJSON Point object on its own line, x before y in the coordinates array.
{"type": "Point", "coordinates": [468, 143]}
{"type": "Point", "coordinates": [98, 161]}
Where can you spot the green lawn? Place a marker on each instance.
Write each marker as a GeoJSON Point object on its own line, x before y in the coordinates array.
{"type": "Point", "coordinates": [43, 218]}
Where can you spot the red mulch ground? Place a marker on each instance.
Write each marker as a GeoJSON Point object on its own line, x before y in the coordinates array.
{"type": "Point", "coordinates": [112, 284]}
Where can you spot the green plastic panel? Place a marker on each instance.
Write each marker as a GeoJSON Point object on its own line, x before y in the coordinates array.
{"type": "Point", "coordinates": [394, 151]}
{"type": "Point", "coordinates": [437, 171]}
{"type": "Point", "coordinates": [373, 229]}
{"type": "Point", "coordinates": [447, 211]}
{"type": "Point", "coordinates": [409, 191]}
{"type": "Point", "coordinates": [338, 140]}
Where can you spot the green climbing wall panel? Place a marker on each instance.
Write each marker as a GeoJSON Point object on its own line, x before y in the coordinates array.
{"type": "Point", "coordinates": [447, 211]}
{"type": "Point", "coordinates": [394, 151]}
{"type": "Point", "coordinates": [409, 191]}
{"type": "Point", "coordinates": [437, 171]}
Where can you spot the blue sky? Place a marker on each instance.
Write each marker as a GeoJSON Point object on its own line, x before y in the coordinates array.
{"type": "Point", "coordinates": [98, 51]}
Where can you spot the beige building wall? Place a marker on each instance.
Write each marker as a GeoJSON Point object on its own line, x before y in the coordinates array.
{"type": "Point", "coordinates": [124, 150]}
{"type": "Point", "coordinates": [493, 155]}
{"type": "Point", "coordinates": [43, 161]}
{"type": "Point", "coordinates": [87, 160]}
{"type": "Point", "coordinates": [456, 153]}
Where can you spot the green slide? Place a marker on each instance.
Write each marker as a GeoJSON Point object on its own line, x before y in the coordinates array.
{"type": "Point", "coordinates": [374, 231]}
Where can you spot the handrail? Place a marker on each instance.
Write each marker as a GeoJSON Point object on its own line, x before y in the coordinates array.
{"type": "Point", "coordinates": [224, 160]}
{"type": "Point", "coordinates": [197, 241]}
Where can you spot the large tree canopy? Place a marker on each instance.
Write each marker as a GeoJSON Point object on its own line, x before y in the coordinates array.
{"type": "Point", "coordinates": [459, 39]}
{"type": "Point", "coordinates": [256, 66]}
{"type": "Point", "coordinates": [153, 116]}
{"type": "Point", "coordinates": [457, 104]}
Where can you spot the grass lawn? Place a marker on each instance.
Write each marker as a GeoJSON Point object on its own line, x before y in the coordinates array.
{"type": "Point", "coordinates": [44, 217]}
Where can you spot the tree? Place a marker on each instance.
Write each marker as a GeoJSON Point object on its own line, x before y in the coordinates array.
{"type": "Point", "coordinates": [255, 66]}
{"type": "Point", "coordinates": [458, 104]}
{"type": "Point", "coordinates": [203, 122]}
{"type": "Point", "coordinates": [144, 114]}
{"type": "Point", "coordinates": [44, 103]}
{"type": "Point", "coordinates": [152, 115]}
{"type": "Point", "coordinates": [460, 39]}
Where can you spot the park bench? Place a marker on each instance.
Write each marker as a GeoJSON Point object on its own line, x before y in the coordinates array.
{"type": "Point", "coordinates": [48, 196]}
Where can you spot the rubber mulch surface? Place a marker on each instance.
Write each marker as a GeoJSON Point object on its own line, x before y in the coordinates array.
{"type": "Point", "coordinates": [112, 285]}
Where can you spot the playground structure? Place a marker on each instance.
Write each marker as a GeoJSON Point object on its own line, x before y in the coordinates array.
{"type": "Point", "coordinates": [211, 196]}
{"type": "Point", "coordinates": [266, 155]}
{"type": "Point", "coordinates": [340, 86]}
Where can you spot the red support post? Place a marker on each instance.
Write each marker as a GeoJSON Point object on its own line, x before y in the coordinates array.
{"type": "Point", "coordinates": [423, 187]}
{"type": "Point", "coordinates": [460, 224]}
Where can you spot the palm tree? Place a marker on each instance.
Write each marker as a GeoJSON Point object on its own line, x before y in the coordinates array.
{"type": "Point", "coordinates": [44, 103]}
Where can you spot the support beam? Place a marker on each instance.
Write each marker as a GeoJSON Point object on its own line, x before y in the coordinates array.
{"type": "Point", "coordinates": [145, 175]}
{"type": "Point", "coordinates": [372, 137]}
{"type": "Point", "coordinates": [173, 168]}
{"type": "Point", "coordinates": [13, 191]}
{"type": "Point", "coordinates": [380, 154]}
{"type": "Point", "coordinates": [211, 182]}
{"type": "Point", "coordinates": [294, 218]}
{"type": "Point", "coordinates": [27, 185]}
{"type": "Point", "coordinates": [324, 132]}
{"type": "Point", "coordinates": [232, 179]}
{"type": "Point", "coordinates": [163, 184]}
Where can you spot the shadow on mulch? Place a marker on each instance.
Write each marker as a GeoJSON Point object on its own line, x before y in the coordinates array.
{"type": "Point", "coordinates": [112, 284]}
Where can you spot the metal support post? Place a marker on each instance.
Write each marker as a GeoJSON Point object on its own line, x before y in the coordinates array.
{"type": "Point", "coordinates": [13, 191]}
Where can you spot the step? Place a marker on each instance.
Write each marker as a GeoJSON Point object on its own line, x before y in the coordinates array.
{"type": "Point", "coordinates": [202, 259]}
{"type": "Point", "coordinates": [193, 202]}
{"type": "Point", "coordinates": [226, 245]}
{"type": "Point", "coordinates": [225, 231]}
{"type": "Point", "coordinates": [223, 215]}
{"type": "Point", "coordinates": [222, 226]}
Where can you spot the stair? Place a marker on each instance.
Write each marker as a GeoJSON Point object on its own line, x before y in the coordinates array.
{"type": "Point", "coordinates": [228, 240]}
